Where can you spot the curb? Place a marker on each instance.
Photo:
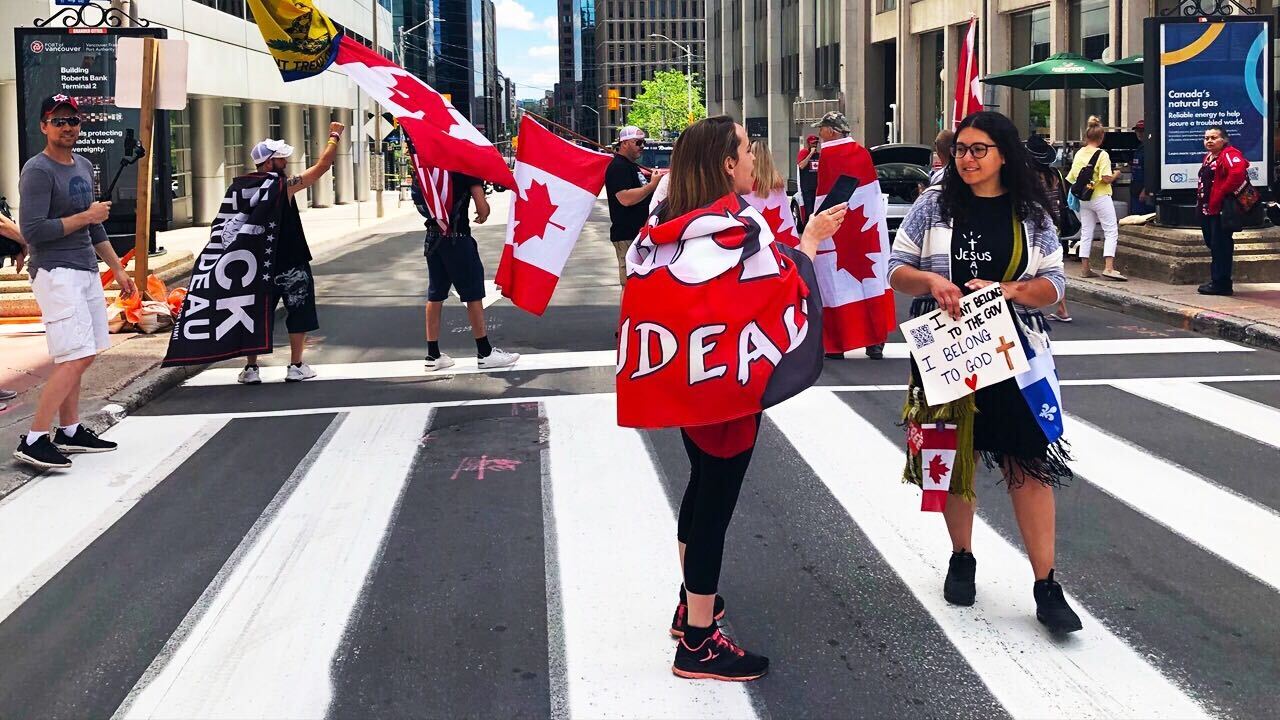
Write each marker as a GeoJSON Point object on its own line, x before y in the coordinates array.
{"type": "Point", "coordinates": [1208, 322]}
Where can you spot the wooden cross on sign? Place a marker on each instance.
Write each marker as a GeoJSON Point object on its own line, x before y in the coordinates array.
{"type": "Point", "coordinates": [1004, 347]}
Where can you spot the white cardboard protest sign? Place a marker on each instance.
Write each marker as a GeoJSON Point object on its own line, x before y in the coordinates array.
{"type": "Point", "coordinates": [957, 357]}
{"type": "Point", "coordinates": [171, 74]}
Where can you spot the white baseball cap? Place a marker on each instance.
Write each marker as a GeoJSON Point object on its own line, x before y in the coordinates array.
{"type": "Point", "coordinates": [268, 149]}
{"type": "Point", "coordinates": [630, 132]}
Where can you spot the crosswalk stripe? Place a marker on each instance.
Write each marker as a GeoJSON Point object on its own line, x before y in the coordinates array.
{"type": "Point", "coordinates": [410, 368]}
{"type": "Point", "coordinates": [615, 544]}
{"type": "Point", "coordinates": [1226, 524]}
{"type": "Point", "coordinates": [56, 516]}
{"type": "Point", "coordinates": [1092, 674]}
{"type": "Point", "coordinates": [605, 358]}
{"type": "Point", "coordinates": [1237, 414]}
{"type": "Point", "coordinates": [264, 646]}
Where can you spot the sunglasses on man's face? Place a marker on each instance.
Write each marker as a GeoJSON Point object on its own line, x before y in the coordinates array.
{"type": "Point", "coordinates": [64, 121]}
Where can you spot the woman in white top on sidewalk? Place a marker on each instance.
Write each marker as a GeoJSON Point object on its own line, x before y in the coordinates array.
{"type": "Point", "coordinates": [1098, 208]}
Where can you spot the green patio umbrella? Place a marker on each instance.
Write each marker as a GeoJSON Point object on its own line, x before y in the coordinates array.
{"type": "Point", "coordinates": [1064, 71]}
{"type": "Point", "coordinates": [1131, 64]}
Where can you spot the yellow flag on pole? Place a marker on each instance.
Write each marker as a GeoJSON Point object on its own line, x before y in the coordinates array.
{"type": "Point", "coordinates": [302, 40]}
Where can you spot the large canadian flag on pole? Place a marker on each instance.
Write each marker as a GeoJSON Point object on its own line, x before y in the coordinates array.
{"type": "Point", "coordinates": [556, 184]}
{"type": "Point", "coordinates": [968, 88]}
{"type": "Point", "coordinates": [441, 135]}
{"type": "Point", "coordinates": [853, 265]}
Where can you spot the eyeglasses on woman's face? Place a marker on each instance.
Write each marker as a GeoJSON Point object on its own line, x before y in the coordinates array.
{"type": "Point", "coordinates": [978, 150]}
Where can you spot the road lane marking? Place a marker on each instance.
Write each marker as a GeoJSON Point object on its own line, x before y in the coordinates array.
{"type": "Point", "coordinates": [1224, 523]}
{"type": "Point", "coordinates": [264, 647]}
{"type": "Point", "coordinates": [606, 358]}
{"type": "Point", "coordinates": [617, 574]}
{"type": "Point", "coordinates": [1091, 674]}
{"type": "Point", "coordinates": [1238, 414]}
{"type": "Point", "coordinates": [47, 522]}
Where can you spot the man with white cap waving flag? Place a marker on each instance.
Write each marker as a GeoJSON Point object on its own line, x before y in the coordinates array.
{"type": "Point", "coordinates": [556, 187]}
{"type": "Point", "coordinates": [256, 257]}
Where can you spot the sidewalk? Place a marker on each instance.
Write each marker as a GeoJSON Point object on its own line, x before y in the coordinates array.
{"type": "Point", "coordinates": [25, 364]}
{"type": "Point", "coordinates": [1251, 316]}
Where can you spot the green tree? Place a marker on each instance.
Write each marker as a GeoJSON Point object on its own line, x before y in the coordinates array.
{"type": "Point", "coordinates": [663, 103]}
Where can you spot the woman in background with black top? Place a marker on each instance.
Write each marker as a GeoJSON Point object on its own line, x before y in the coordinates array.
{"type": "Point", "coordinates": [988, 222]}
{"type": "Point", "coordinates": [1041, 155]}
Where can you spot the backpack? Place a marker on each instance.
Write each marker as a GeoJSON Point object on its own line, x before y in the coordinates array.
{"type": "Point", "coordinates": [1082, 188]}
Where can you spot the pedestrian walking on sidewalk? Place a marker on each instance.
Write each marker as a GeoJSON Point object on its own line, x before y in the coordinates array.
{"type": "Point", "coordinates": [1223, 173]}
{"type": "Point", "coordinates": [292, 280]}
{"type": "Point", "coordinates": [453, 260]}
{"type": "Point", "coordinates": [713, 164]}
{"type": "Point", "coordinates": [628, 187]}
{"type": "Point", "coordinates": [62, 226]}
{"type": "Point", "coordinates": [1095, 200]}
{"type": "Point", "coordinates": [990, 198]}
{"type": "Point", "coordinates": [1139, 199]}
{"type": "Point", "coordinates": [942, 143]}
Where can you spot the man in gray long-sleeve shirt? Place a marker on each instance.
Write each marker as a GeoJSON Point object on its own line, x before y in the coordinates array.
{"type": "Point", "coordinates": [62, 226]}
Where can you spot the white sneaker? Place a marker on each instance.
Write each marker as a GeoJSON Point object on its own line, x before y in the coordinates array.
{"type": "Point", "coordinates": [440, 363]}
{"type": "Point", "coordinates": [249, 376]}
{"type": "Point", "coordinates": [497, 359]}
{"type": "Point", "coordinates": [298, 373]}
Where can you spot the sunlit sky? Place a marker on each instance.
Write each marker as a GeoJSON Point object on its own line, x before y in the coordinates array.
{"type": "Point", "coordinates": [527, 44]}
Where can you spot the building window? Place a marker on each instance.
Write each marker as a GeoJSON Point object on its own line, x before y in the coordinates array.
{"type": "Point", "coordinates": [1030, 36]}
{"type": "Point", "coordinates": [180, 153]}
{"type": "Point", "coordinates": [1089, 36]}
{"type": "Point", "coordinates": [273, 123]}
{"type": "Point", "coordinates": [232, 141]}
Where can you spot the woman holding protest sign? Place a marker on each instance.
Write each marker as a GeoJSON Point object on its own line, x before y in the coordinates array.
{"type": "Point", "coordinates": [989, 223]}
{"type": "Point", "coordinates": [685, 282]}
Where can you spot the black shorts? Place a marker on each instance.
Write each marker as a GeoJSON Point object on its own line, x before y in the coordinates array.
{"type": "Point", "coordinates": [297, 288]}
{"type": "Point", "coordinates": [453, 261]}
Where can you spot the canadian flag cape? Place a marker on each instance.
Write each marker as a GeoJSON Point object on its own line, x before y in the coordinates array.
{"type": "Point", "coordinates": [556, 184]}
{"type": "Point", "coordinates": [853, 265]}
{"type": "Point", "coordinates": [441, 135]}
{"type": "Point", "coordinates": [718, 320]}
{"type": "Point", "coordinates": [776, 209]}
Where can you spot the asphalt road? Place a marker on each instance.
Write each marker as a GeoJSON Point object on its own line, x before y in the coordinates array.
{"type": "Point", "coordinates": [381, 542]}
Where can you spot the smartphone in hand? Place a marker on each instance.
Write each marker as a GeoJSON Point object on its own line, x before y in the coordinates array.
{"type": "Point", "coordinates": [840, 192]}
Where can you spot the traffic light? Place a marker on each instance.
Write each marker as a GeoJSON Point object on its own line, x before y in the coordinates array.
{"type": "Point", "coordinates": [692, 119]}
{"type": "Point", "coordinates": [613, 99]}
{"type": "Point", "coordinates": [515, 143]}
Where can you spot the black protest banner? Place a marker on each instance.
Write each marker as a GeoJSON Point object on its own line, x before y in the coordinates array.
{"type": "Point", "coordinates": [228, 308]}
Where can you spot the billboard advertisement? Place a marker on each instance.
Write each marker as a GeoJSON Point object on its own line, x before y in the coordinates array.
{"type": "Point", "coordinates": [1212, 73]}
{"type": "Point", "coordinates": [81, 62]}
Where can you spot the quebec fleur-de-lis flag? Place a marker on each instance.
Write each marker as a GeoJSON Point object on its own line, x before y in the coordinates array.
{"type": "Point", "coordinates": [300, 38]}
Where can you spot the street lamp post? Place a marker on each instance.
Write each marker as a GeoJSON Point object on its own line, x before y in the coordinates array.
{"type": "Point", "coordinates": [431, 36]}
{"type": "Point", "coordinates": [688, 72]}
{"type": "Point", "coordinates": [597, 112]}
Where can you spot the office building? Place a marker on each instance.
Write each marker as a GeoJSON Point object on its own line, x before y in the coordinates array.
{"type": "Point", "coordinates": [626, 54]}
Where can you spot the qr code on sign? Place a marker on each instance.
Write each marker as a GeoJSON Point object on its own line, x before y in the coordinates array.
{"type": "Point", "coordinates": [921, 336]}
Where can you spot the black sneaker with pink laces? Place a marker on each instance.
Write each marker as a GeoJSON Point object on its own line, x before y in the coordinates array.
{"type": "Point", "coordinates": [682, 614]}
{"type": "Point", "coordinates": [708, 654]}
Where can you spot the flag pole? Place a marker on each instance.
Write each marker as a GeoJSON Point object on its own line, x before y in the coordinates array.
{"type": "Point", "coordinates": [969, 61]}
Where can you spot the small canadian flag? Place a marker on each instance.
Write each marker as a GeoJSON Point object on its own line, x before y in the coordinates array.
{"type": "Point", "coordinates": [937, 460]}
{"type": "Point", "coordinates": [556, 187]}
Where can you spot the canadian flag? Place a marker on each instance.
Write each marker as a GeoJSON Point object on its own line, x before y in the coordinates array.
{"type": "Point", "coordinates": [556, 183]}
{"type": "Point", "coordinates": [937, 460]}
{"type": "Point", "coordinates": [776, 209]}
{"type": "Point", "coordinates": [853, 265]}
{"type": "Point", "coordinates": [968, 95]}
{"type": "Point", "coordinates": [441, 135]}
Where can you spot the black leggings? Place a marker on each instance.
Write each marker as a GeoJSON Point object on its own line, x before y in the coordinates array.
{"type": "Point", "coordinates": [705, 513]}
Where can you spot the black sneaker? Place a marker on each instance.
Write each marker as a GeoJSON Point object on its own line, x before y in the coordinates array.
{"type": "Point", "coordinates": [41, 454]}
{"type": "Point", "coordinates": [1211, 289]}
{"type": "Point", "coordinates": [876, 352]}
{"type": "Point", "coordinates": [959, 588]}
{"type": "Point", "coordinates": [833, 356]}
{"type": "Point", "coordinates": [682, 615]}
{"type": "Point", "coordinates": [717, 657]}
{"type": "Point", "coordinates": [84, 441]}
{"type": "Point", "coordinates": [1052, 609]}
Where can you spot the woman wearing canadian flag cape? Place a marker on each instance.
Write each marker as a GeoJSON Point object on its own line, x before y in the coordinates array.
{"type": "Point", "coordinates": [718, 322]}
{"type": "Point", "coordinates": [989, 223]}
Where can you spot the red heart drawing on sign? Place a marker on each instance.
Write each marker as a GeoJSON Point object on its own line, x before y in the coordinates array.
{"type": "Point", "coordinates": [972, 382]}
